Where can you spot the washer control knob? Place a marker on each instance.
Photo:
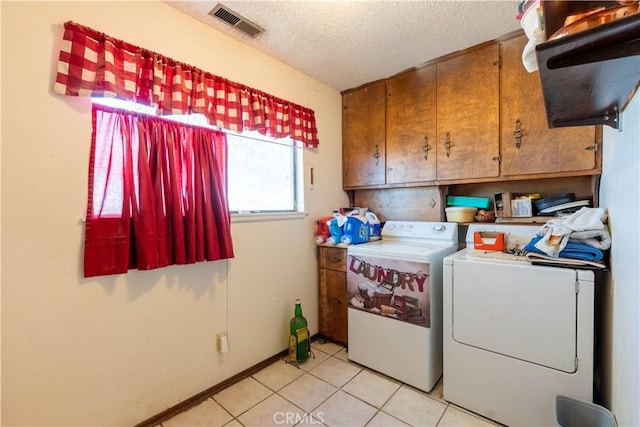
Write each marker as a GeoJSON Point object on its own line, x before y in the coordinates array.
{"type": "Point", "coordinates": [439, 228]}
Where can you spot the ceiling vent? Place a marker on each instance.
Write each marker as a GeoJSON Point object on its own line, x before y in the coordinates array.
{"type": "Point", "coordinates": [235, 20]}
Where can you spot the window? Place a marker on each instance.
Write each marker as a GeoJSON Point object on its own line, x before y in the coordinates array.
{"type": "Point", "coordinates": [264, 175]}
{"type": "Point", "coordinates": [156, 194]}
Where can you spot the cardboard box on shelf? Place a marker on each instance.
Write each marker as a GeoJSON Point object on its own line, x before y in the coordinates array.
{"type": "Point", "coordinates": [502, 203]}
{"type": "Point", "coordinates": [521, 207]}
{"type": "Point", "coordinates": [509, 206]}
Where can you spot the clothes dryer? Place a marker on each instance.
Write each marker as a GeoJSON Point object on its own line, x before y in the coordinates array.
{"type": "Point", "coordinates": [515, 335]}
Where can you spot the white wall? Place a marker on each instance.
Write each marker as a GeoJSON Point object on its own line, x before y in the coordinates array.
{"type": "Point", "coordinates": [119, 349]}
{"type": "Point", "coordinates": [620, 194]}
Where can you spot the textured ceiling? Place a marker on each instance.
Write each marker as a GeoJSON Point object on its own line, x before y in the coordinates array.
{"type": "Point", "coordinates": [345, 44]}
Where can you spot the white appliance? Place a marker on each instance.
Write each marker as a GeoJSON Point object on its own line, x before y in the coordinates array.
{"type": "Point", "coordinates": [515, 334]}
{"type": "Point", "coordinates": [394, 289]}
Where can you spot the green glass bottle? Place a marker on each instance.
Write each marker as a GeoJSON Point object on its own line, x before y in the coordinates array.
{"type": "Point", "coordinates": [300, 332]}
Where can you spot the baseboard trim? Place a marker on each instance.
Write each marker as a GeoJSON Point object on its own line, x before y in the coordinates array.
{"type": "Point", "coordinates": [198, 398]}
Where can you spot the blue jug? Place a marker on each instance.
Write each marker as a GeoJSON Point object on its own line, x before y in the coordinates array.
{"type": "Point", "coordinates": [335, 229]}
{"type": "Point", "coordinates": [356, 230]}
{"type": "Point", "coordinates": [374, 224]}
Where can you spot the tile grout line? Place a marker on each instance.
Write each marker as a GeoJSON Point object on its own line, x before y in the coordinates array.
{"type": "Point", "coordinates": [378, 410]}
{"type": "Point", "coordinates": [446, 408]}
{"type": "Point", "coordinates": [276, 392]}
{"type": "Point", "coordinates": [360, 370]}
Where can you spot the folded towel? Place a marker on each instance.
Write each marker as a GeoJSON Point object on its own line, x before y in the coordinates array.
{"type": "Point", "coordinates": [572, 249]}
{"type": "Point", "coordinates": [554, 237]}
{"type": "Point", "coordinates": [600, 239]}
{"type": "Point", "coordinates": [540, 259]}
{"type": "Point", "coordinates": [578, 250]}
{"type": "Point", "coordinates": [586, 219]}
{"type": "Point", "coordinates": [585, 226]}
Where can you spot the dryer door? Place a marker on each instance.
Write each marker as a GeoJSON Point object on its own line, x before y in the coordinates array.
{"type": "Point", "coordinates": [518, 310]}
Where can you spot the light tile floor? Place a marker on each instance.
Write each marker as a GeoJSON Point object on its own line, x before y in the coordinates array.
{"type": "Point", "coordinates": [326, 391]}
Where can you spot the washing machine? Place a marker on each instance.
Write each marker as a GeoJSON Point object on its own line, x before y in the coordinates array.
{"type": "Point", "coordinates": [516, 335]}
{"type": "Point", "coordinates": [394, 287]}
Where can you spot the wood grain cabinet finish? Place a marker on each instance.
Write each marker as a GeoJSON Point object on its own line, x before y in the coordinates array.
{"type": "Point", "coordinates": [363, 137]}
{"type": "Point", "coordinates": [332, 262]}
{"type": "Point", "coordinates": [468, 114]}
{"type": "Point", "coordinates": [411, 126]}
{"type": "Point", "coordinates": [528, 146]}
{"type": "Point", "coordinates": [477, 116]}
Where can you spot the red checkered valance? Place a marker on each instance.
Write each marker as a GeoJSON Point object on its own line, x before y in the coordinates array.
{"type": "Point", "coordinates": [94, 64]}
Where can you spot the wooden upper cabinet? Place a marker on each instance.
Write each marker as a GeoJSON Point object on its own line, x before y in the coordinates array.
{"type": "Point", "coordinates": [468, 113]}
{"type": "Point", "coordinates": [363, 136]}
{"type": "Point", "coordinates": [476, 116]}
{"type": "Point", "coordinates": [411, 126]}
{"type": "Point", "coordinates": [539, 150]}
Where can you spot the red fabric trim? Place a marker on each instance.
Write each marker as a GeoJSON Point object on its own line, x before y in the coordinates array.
{"type": "Point", "coordinates": [91, 63]}
{"type": "Point", "coordinates": [106, 241]}
{"type": "Point", "coordinates": [156, 194]}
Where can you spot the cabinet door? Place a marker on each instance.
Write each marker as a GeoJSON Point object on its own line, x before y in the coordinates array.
{"type": "Point", "coordinates": [411, 126]}
{"type": "Point", "coordinates": [363, 126]}
{"type": "Point", "coordinates": [468, 113]}
{"type": "Point", "coordinates": [333, 305]}
{"type": "Point", "coordinates": [539, 149]}
{"type": "Point", "coordinates": [333, 258]}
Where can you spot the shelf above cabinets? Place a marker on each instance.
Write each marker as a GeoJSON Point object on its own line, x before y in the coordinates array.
{"type": "Point", "coordinates": [589, 77]}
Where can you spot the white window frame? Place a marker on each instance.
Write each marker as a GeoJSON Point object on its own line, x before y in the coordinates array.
{"type": "Point", "coordinates": [299, 202]}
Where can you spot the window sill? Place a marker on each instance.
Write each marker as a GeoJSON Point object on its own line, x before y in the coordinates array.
{"type": "Point", "coordinates": [258, 217]}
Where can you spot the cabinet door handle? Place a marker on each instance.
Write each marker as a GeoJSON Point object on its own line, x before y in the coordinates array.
{"type": "Point", "coordinates": [593, 147]}
{"type": "Point", "coordinates": [376, 155]}
{"type": "Point", "coordinates": [447, 144]}
{"type": "Point", "coordinates": [334, 259]}
{"type": "Point", "coordinates": [517, 134]}
{"type": "Point", "coordinates": [426, 147]}
{"type": "Point", "coordinates": [334, 300]}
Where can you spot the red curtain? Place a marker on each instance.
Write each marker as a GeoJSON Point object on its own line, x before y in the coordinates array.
{"type": "Point", "coordinates": [94, 64]}
{"type": "Point", "coordinates": [157, 194]}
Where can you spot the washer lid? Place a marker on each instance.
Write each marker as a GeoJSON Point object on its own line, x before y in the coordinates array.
{"type": "Point", "coordinates": [420, 230]}
{"type": "Point", "coordinates": [400, 249]}
{"type": "Point", "coordinates": [417, 241]}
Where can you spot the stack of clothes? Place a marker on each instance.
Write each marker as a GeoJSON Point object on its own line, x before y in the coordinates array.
{"type": "Point", "coordinates": [576, 241]}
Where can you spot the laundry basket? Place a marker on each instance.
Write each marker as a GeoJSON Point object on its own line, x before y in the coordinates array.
{"type": "Point", "coordinates": [573, 412]}
{"type": "Point", "coordinates": [379, 299]}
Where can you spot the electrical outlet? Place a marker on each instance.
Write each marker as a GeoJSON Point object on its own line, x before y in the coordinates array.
{"type": "Point", "coordinates": [222, 342]}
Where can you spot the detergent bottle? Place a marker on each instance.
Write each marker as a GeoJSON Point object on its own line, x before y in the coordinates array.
{"type": "Point", "coordinates": [374, 224]}
{"type": "Point", "coordinates": [322, 231]}
{"type": "Point", "coordinates": [356, 230]}
{"type": "Point", "coordinates": [336, 224]}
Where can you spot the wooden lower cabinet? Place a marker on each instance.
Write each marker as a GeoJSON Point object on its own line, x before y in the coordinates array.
{"type": "Point", "coordinates": [333, 293]}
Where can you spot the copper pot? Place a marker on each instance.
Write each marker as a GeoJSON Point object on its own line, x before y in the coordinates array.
{"type": "Point", "coordinates": [594, 17]}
